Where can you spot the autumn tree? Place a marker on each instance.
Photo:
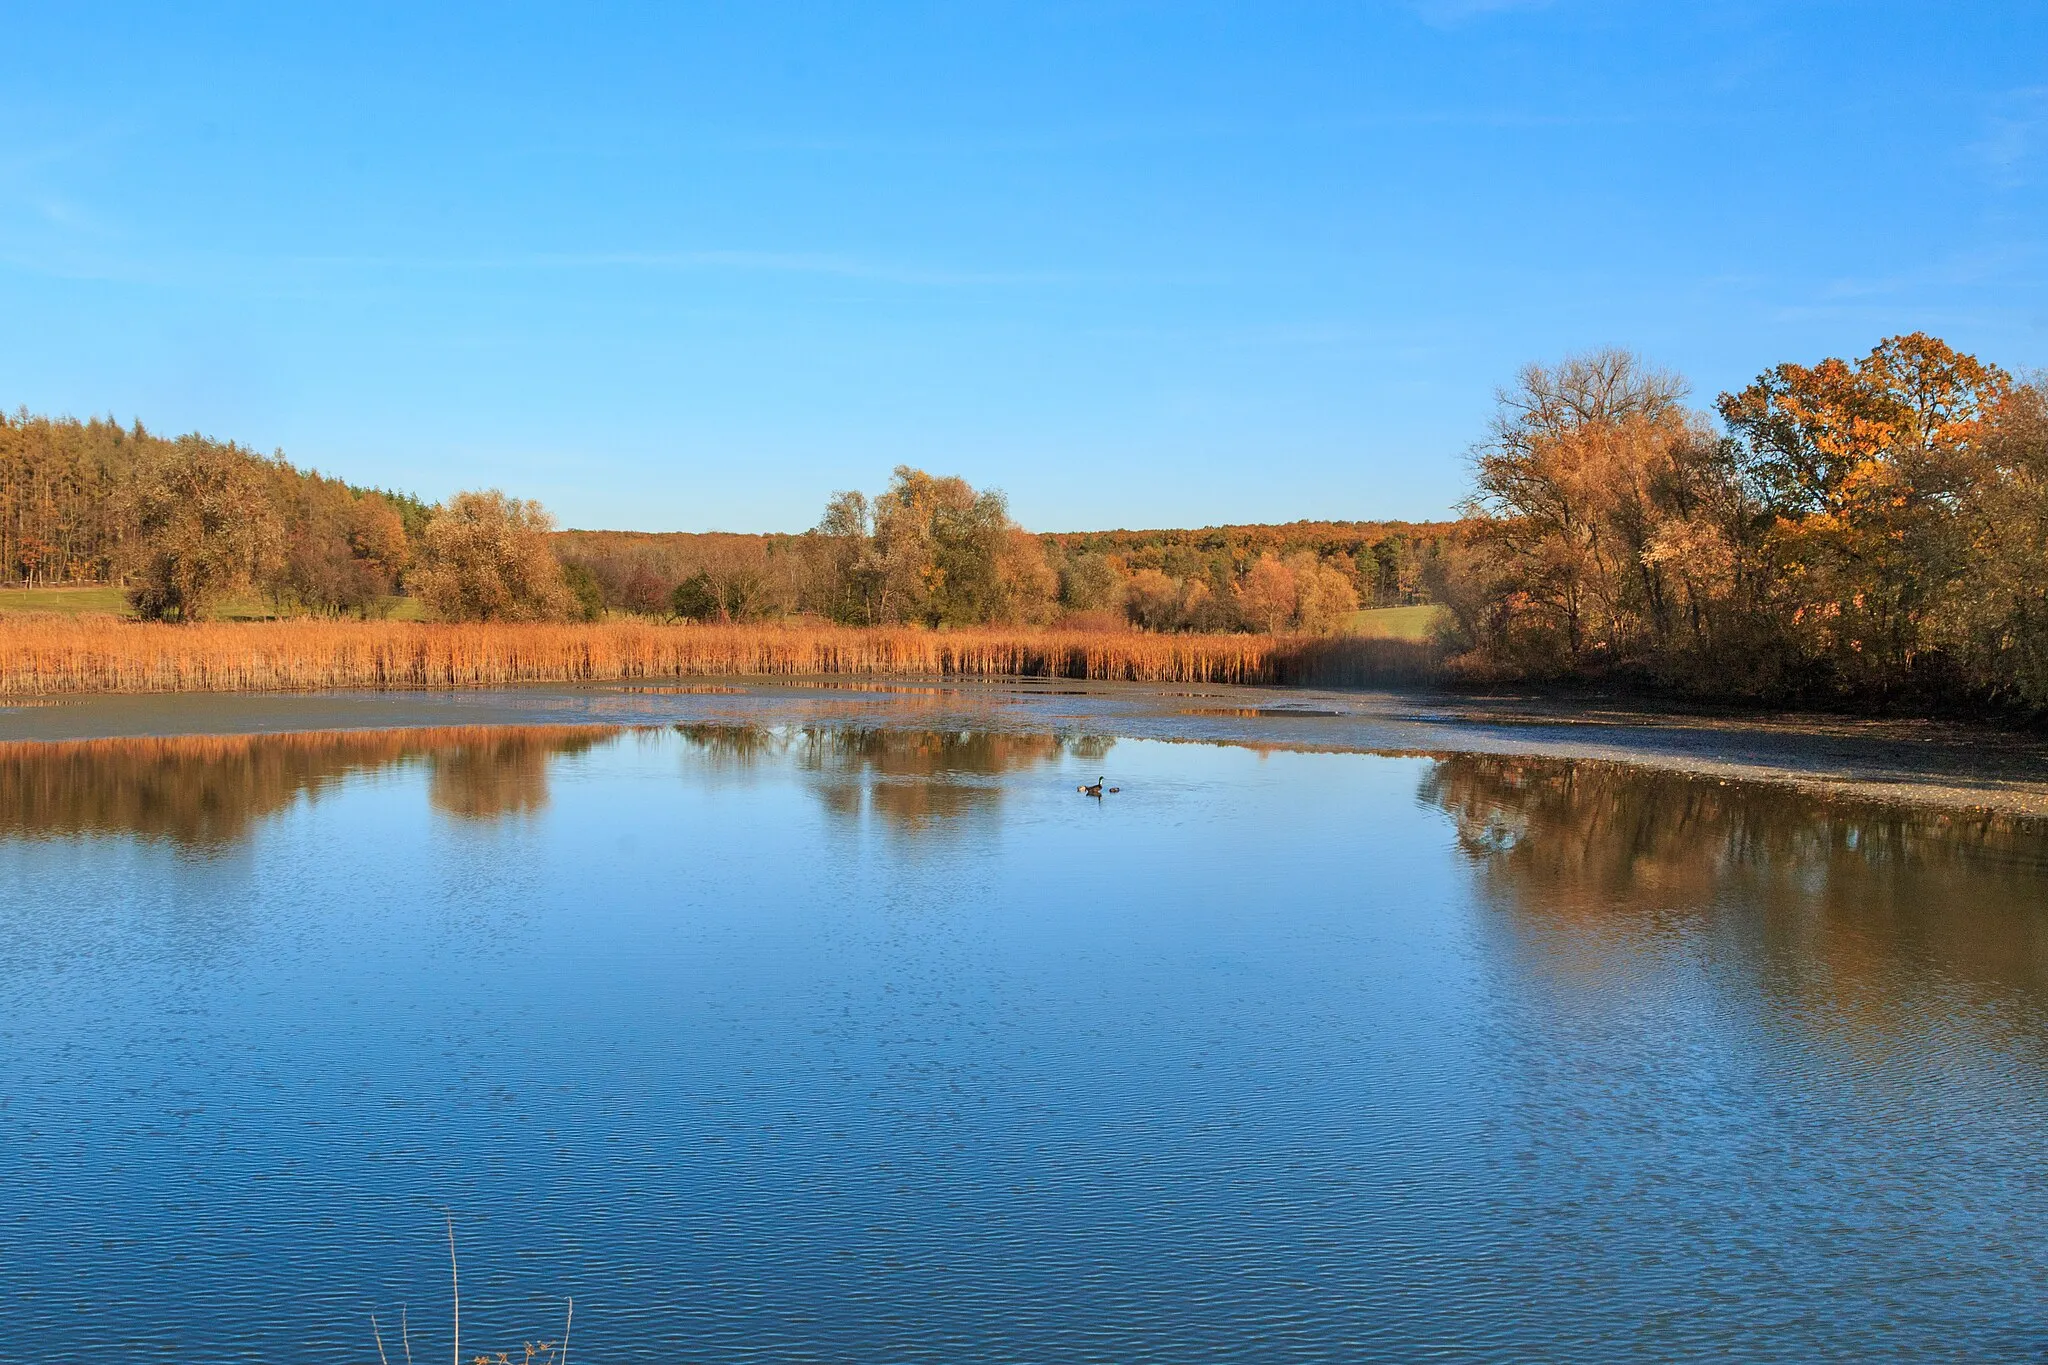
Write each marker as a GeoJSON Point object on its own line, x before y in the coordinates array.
{"type": "Point", "coordinates": [203, 528]}
{"type": "Point", "coordinates": [1026, 587]}
{"type": "Point", "coordinates": [1266, 597]}
{"type": "Point", "coordinates": [1862, 469]}
{"type": "Point", "coordinates": [741, 580]}
{"type": "Point", "coordinates": [1575, 479]}
{"type": "Point", "coordinates": [929, 549]}
{"type": "Point", "coordinates": [937, 541]}
{"type": "Point", "coordinates": [1324, 598]}
{"type": "Point", "coordinates": [1153, 600]}
{"type": "Point", "coordinates": [1995, 615]}
{"type": "Point", "coordinates": [1866, 529]}
{"type": "Point", "coordinates": [67, 496]}
{"type": "Point", "coordinates": [344, 547]}
{"type": "Point", "coordinates": [847, 566]}
{"type": "Point", "coordinates": [487, 558]}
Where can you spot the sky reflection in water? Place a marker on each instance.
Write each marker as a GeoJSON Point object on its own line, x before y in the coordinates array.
{"type": "Point", "coordinates": [874, 1044]}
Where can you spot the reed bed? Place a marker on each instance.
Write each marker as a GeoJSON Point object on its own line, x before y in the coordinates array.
{"type": "Point", "coordinates": [54, 654]}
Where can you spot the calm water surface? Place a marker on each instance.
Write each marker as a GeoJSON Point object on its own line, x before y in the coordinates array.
{"type": "Point", "coordinates": [871, 1045]}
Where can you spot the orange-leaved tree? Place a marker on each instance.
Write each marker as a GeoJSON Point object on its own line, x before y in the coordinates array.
{"type": "Point", "coordinates": [1862, 470]}
{"type": "Point", "coordinates": [1601, 519]}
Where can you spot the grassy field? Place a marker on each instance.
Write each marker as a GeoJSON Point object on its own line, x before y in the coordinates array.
{"type": "Point", "coordinates": [98, 599]}
{"type": "Point", "coordinates": [95, 599]}
{"type": "Point", "coordinates": [1393, 623]}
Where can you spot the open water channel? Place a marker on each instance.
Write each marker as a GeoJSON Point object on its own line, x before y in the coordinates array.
{"type": "Point", "coordinates": [858, 1040]}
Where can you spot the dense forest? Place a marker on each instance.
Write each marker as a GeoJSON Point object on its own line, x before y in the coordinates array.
{"type": "Point", "coordinates": [1871, 531]}
{"type": "Point", "coordinates": [182, 521]}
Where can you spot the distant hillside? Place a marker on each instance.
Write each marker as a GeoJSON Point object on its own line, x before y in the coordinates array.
{"type": "Point", "coordinates": [1329, 537]}
{"type": "Point", "coordinates": [1383, 559]}
{"type": "Point", "coordinates": [1333, 537]}
{"type": "Point", "coordinates": [686, 546]}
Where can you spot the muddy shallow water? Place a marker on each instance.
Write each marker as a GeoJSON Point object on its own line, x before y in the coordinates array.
{"type": "Point", "coordinates": [839, 1026]}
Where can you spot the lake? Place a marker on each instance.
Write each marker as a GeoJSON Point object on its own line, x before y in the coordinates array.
{"type": "Point", "coordinates": [868, 1041]}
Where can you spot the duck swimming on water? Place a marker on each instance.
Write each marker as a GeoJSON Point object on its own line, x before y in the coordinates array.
{"type": "Point", "coordinates": [1096, 789]}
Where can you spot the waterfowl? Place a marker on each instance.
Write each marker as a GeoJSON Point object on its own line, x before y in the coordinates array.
{"type": "Point", "coordinates": [1095, 790]}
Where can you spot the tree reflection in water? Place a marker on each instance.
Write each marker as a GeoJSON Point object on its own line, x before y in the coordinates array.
{"type": "Point", "coordinates": [1840, 902]}
{"type": "Point", "coordinates": [209, 791]}
{"type": "Point", "coordinates": [916, 780]}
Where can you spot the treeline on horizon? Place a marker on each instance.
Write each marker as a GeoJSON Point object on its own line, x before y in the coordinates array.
{"type": "Point", "coordinates": [184, 523]}
{"type": "Point", "coordinates": [1868, 532]}
{"type": "Point", "coordinates": [934, 551]}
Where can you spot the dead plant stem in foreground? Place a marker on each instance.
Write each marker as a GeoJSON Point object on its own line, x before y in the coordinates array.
{"type": "Point", "coordinates": [534, 1352]}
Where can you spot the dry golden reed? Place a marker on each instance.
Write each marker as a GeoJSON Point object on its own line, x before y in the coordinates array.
{"type": "Point", "coordinates": [46, 654]}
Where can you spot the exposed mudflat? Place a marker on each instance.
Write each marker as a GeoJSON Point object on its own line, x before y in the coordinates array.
{"type": "Point", "coordinates": [1920, 762]}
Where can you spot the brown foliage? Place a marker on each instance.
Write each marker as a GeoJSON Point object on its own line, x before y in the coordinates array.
{"type": "Point", "coordinates": [745, 577]}
{"type": "Point", "coordinates": [344, 550]}
{"type": "Point", "coordinates": [203, 527]}
{"type": "Point", "coordinates": [487, 558]}
{"type": "Point", "coordinates": [60, 486]}
{"type": "Point", "coordinates": [1870, 530]}
{"type": "Point", "coordinates": [1996, 616]}
{"type": "Point", "coordinates": [1589, 497]}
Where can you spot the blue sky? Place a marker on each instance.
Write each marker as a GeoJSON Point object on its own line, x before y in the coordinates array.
{"type": "Point", "coordinates": [694, 267]}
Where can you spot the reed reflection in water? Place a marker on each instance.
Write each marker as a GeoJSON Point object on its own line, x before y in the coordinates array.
{"type": "Point", "coordinates": [208, 791]}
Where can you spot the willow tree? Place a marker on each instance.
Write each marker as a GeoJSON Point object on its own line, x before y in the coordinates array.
{"type": "Point", "coordinates": [929, 549]}
{"type": "Point", "coordinates": [203, 527]}
{"type": "Point", "coordinates": [487, 558]}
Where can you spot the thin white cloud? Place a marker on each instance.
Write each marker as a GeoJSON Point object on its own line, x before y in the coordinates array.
{"type": "Point", "coordinates": [2015, 134]}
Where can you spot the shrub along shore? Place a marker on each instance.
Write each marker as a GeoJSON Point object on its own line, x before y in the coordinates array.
{"type": "Point", "coordinates": [51, 654]}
